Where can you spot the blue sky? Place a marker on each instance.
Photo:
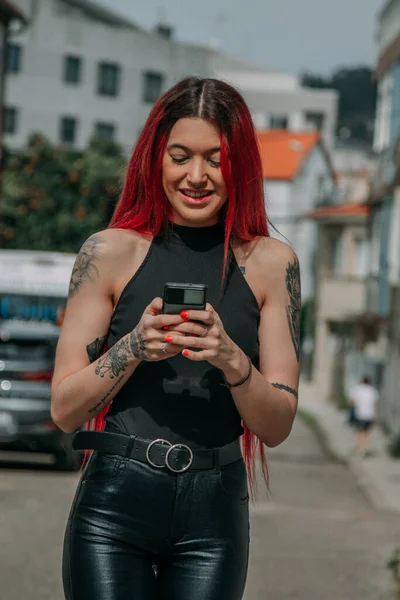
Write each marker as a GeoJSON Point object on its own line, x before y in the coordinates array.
{"type": "Point", "coordinates": [290, 35]}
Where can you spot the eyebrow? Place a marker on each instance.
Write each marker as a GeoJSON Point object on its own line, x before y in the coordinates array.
{"type": "Point", "coordinates": [185, 149]}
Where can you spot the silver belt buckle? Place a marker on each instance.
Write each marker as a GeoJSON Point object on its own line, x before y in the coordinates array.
{"type": "Point", "coordinates": [149, 447]}
{"type": "Point", "coordinates": [167, 456]}
{"type": "Point", "coordinates": [186, 467]}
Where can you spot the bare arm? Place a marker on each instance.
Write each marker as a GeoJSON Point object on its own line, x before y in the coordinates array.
{"type": "Point", "coordinates": [83, 384]}
{"type": "Point", "coordinates": [81, 390]}
{"type": "Point", "coordinates": [267, 401]}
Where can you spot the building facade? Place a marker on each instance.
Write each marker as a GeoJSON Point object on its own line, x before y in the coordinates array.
{"type": "Point", "coordinates": [384, 276]}
{"type": "Point", "coordinates": [342, 268]}
{"type": "Point", "coordinates": [279, 101]}
{"type": "Point", "coordinates": [9, 15]}
{"type": "Point", "coordinates": [81, 70]}
{"type": "Point", "coordinates": [298, 176]}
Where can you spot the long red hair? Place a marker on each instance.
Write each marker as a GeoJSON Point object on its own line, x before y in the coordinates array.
{"type": "Point", "coordinates": [143, 205]}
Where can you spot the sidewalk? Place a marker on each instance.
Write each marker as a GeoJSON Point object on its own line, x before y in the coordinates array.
{"type": "Point", "coordinates": [377, 475]}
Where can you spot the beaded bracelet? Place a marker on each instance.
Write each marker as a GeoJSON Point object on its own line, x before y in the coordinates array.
{"type": "Point", "coordinates": [245, 378]}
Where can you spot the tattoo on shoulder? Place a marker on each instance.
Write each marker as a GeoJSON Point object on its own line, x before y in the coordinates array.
{"type": "Point", "coordinates": [293, 309]}
{"type": "Point", "coordinates": [85, 267]}
{"type": "Point", "coordinates": [94, 349]}
{"type": "Point", "coordinates": [286, 388]}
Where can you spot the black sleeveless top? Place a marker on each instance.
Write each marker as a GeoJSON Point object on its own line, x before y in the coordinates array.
{"type": "Point", "coordinates": [177, 399]}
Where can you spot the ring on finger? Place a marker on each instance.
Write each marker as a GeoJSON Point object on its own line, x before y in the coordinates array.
{"type": "Point", "coordinates": [204, 332]}
{"type": "Point", "coordinates": [164, 347]}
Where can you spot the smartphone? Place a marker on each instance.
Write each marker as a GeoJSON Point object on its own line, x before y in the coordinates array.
{"type": "Point", "coordinates": [184, 296]}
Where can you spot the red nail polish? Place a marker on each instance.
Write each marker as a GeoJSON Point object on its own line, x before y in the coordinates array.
{"type": "Point", "coordinates": [185, 353]}
{"type": "Point", "coordinates": [168, 339]}
{"type": "Point", "coordinates": [166, 327]}
{"type": "Point", "coordinates": [184, 315]}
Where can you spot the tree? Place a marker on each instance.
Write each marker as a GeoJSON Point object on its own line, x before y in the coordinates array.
{"type": "Point", "coordinates": [54, 198]}
{"type": "Point", "coordinates": [357, 98]}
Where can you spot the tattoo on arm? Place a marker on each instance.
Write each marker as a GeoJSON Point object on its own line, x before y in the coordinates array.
{"type": "Point", "coordinates": [138, 345]}
{"type": "Point", "coordinates": [115, 361]}
{"type": "Point", "coordinates": [286, 388]}
{"type": "Point", "coordinates": [103, 401]}
{"type": "Point", "coordinates": [85, 267]}
{"type": "Point", "coordinates": [94, 349]}
{"type": "Point", "coordinates": [293, 309]}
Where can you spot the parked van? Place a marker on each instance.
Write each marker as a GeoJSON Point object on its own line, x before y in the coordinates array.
{"type": "Point", "coordinates": [33, 294]}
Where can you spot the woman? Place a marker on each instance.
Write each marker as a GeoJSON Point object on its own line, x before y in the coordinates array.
{"type": "Point", "coordinates": [169, 519]}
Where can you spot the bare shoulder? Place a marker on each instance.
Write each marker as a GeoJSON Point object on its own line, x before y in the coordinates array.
{"type": "Point", "coordinates": [272, 257]}
{"type": "Point", "coordinates": [101, 254]}
{"type": "Point", "coordinates": [118, 243]}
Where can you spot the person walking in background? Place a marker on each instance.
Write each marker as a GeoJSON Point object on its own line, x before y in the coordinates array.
{"type": "Point", "coordinates": [363, 400]}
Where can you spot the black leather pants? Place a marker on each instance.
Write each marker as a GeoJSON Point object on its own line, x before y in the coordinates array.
{"type": "Point", "coordinates": [140, 533]}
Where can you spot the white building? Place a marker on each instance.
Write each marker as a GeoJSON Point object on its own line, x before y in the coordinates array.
{"type": "Point", "coordinates": [10, 16]}
{"type": "Point", "coordinates": [298, 176]}
{"type": "Point", "coordinates": [80, 68]}
{"type": "Point", "coordinates": [278, 100]}
{"type": "Point", "coordinates": [341, 355]}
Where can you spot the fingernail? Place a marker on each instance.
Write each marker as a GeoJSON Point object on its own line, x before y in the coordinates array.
{"type": "Point", "coordinates": [166, 327]}
{"type": "Point", "coordinates": [185, 353]}
{"type": "Point", "coordinates": [168, 339]}
{"type": "Point", "coordinates": [184, 315]}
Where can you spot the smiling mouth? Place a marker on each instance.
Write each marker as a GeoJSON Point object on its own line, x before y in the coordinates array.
{"type": "Point", "coordinates": [195, 197]}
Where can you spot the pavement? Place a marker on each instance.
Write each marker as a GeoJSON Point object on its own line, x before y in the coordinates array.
{"type": "Point", "coordinates": [378, 474]}
{"type": "Point", "coordinates": [314, 536]}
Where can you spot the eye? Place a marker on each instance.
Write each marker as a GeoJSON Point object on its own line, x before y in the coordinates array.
{"type": "Point", "coordinates": [214, 163]}
{"type": "Point", "coordinates": [179, 160]}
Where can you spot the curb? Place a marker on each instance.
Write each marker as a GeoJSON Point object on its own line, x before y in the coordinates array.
{"type": "Point", "coordinates": [376, 496]}
{"type": "Point", "coordinates": [311, 420]}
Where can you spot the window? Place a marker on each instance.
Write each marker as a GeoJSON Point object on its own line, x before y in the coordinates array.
{"type": "Point", "coordinates": [361, 248]}
{"type": "Point", "coordinates": [278, 122]}
{"type": "Point", "coordinates": [152, 86]}
{"type": "Point", "coordinates": [109, 76]}
{"type": "Point", "coordinates": [10, 122]}
{"type": "Point", "coordinates": [14, 58]}
{"type": "Point", "coordinates": [68, 126]}
{"type": "Point", "coordinates": [316, 120]}
{"type": "Point", "coordinates": [72, 69]}
{"type": "Point", "coordinates": [337, 255]}
{"type": "Point", "coordinates": [105, 131]}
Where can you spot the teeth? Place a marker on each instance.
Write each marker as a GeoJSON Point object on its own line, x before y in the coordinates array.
{"type": "Point", "coordinates": [196, 194]}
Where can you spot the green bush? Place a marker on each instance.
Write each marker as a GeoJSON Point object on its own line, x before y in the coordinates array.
{"type": "Point", "coordinates": [54, 198]}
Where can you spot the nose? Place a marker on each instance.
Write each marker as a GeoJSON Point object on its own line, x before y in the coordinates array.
{"type": "Point", "coordinates": [197, 176]}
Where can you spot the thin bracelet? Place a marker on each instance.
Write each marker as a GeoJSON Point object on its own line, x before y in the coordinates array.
{"type": "Point", "coordinates": [245, 378]}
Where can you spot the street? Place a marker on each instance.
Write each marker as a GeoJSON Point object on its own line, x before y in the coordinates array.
{"type": "Point", "coordinates": [315, 537]}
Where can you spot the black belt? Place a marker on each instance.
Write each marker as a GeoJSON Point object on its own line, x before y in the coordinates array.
{"type": "Point", "coordinates": [158, 453]}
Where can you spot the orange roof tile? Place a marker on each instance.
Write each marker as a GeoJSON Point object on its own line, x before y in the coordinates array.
{"type": "Point", "coordinates": [339, 210]}
{"type": "Point", "coordinates": [283, 152]}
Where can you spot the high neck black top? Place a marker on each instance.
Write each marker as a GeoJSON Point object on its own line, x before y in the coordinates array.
{"type": "Point", "coordinates": [177, 399]}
